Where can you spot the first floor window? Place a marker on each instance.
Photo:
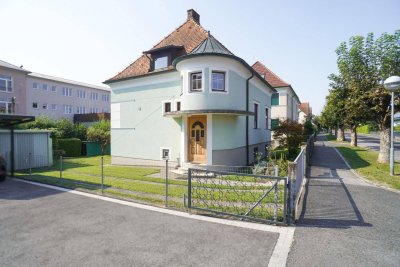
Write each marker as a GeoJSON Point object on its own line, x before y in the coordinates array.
{"type": "Point", "coordinates": [81, 110]}
{"type": "Point", "coordinates": [266, 119]}
{"type": "Point", "coordinates": [67, 109]}
{"type": "Point", "coordinates": [35, 105]}
{"type": "Point", "coordinates": [255, 116]}
{"type": "Point", "coordinates": [275, 99]}
{"type": "Point", "coordinates": [274, 123]}
{"type": "Point", "coordinates": [5, 107]}
{"type": "Point", "coordinates": [53, 106]}
{"type": "Point", "coordinates": [44, 106]}
{"type": "Point", "coordinates": [255, 153]}
{"type": "Point", "coordinates": [195, 81]}
{"type": "Point", "coordinates": [178, 106]}
{"type": "Point", "coordinates": [5, 83]}
{"type": "Point", "coordinates": [167, 107]}
{"type": "Point", "coordinates": [218, 81]}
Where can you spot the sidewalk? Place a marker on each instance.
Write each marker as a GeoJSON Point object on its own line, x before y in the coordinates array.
{"type": "Point", "coordinates": [345, 221]}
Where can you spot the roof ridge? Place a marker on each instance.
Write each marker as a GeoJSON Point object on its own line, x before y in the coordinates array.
{"type": "Point", "coordinates": [176, 29]}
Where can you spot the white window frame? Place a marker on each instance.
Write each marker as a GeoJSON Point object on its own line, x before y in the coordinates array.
{"type": "Point", "coordinates": [67, 91]}
{"type": "Point", "coordinates": [70, 108]}
{"type": "Point", "coordinates": [45, 106]}
{"type": "Point", "coordinates": [54, 105]}
{"type": "Point", "coordinates": [217, 69]}
{"type": "Point", "coordinates": [189, 81]}
{"type": "Point", "coordinates": [258, 115]}
{"type": "Point", "coordinates": [267, 127]}
{"type": "Point", "coordinates": [37, 85]}
{"type": "Point", "coordinates": [163, 106]}
{"type": "Point", "coordinates": [12, 84]}
{"type": "Point", "coordinates": [176, 105]}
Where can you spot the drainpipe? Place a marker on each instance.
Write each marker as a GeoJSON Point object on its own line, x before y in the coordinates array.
{"type": "Point", "coordinates": [247, 118]}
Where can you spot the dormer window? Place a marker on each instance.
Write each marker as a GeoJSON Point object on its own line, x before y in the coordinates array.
{"type": "Point", "coordinates": [160, 62]}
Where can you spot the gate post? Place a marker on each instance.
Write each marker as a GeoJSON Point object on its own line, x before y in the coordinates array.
{"type": "Point", "coordinates": [189, 188]}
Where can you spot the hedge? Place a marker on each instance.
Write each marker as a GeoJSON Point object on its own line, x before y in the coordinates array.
{"type": "Point", "coordinates": [363, 129]}
{"type": "Point", "coordinates": [71, 146]}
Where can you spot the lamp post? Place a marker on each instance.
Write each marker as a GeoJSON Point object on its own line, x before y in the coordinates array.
{"type": "Point", "coordinates": [392, 84]}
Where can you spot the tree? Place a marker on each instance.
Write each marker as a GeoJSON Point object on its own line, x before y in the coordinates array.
{"type": "Point", "coordinates": [289, 134]}
{"type": "Point", "coordinates": [100, 133]}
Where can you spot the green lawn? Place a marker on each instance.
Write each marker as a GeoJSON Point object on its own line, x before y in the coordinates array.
{"type": "Point", "coordinates": [139, 183]}
{"type": "Point", "coordinates": [330, 137]}
{"type": "Point", "coordinates": [364, 162]}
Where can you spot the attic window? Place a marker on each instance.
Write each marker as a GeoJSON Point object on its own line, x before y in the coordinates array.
{"type": "Point", "coordinates": [161, 62]}
{"type": "Point", "coordinates": [167, 107]}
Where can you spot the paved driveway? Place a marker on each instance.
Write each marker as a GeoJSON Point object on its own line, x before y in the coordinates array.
{"type": "Point", "coordinates": [45, 227]}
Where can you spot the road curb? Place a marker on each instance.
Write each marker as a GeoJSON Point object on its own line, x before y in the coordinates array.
{"type": "Point", "coordinates": [361, 177]}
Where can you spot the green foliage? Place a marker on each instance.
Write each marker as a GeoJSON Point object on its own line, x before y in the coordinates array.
{"type": "Point", "coordinates": [289, 134]}
{"type": "Point", "coordinates": [309, 129]}
{"type": "Point", "coordinates": [100, 133]}
{"type": "Point", "coordinates": [71, 146]}
{"type": "Point", "coordinates": [363, 129]}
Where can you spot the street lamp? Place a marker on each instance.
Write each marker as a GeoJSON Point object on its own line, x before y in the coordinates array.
{"type": "Point", "coordinates": [392, 84]}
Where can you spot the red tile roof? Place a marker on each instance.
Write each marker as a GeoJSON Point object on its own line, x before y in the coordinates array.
{"type": "Point", "coordinates": [305, 107]}
{"type": "Point", "coordinates": [269, 76]}
{"type": "Point", "coordinates": [189, 35]}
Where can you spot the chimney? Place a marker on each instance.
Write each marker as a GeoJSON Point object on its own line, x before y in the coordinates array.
{"type": "Point", "coordinates": [191, 14]}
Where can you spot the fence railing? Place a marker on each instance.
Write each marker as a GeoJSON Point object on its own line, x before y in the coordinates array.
{"type": "Point", "coordinates": [245, 196]}
{"type": "Point", "coordinates": [298, 173]}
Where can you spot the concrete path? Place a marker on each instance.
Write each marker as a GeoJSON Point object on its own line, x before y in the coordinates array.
{"type": "Point", "coordinates": [345, 221]}
{"type": "Point", "coordinates": [41, 226]}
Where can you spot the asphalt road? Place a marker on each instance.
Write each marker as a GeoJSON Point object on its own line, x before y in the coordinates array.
{"type": "Point", "coordinates": [45, 227]}
{"type": "Point", "coordinates": [371, 141]}
{"type": "Point", "coordinates": [345, 221]}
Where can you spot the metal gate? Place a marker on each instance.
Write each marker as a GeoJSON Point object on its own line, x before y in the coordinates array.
{"type": "Point", "coordinates": [245, 196]}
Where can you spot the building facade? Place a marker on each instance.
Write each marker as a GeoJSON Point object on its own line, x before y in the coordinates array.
{"type": "Point", "coordinates": [192, 99]}
{"type": "Point", "coordinates": [285, 102]}
{"type": "Point", "coordinates": [27, 93]}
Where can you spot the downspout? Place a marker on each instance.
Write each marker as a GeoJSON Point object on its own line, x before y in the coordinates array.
{"type": "Point", "coordinates": [247, 118]}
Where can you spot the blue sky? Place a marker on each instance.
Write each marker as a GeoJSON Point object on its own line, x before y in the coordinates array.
{"type": "Point", "coordinates": [90, 41]}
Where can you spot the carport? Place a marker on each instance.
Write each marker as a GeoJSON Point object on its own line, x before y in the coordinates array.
{"type": "Point", "coordinates": [9, 121]}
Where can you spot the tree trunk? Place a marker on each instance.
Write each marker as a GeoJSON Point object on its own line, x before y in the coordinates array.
{"type": "Point", "coordinates": [353, 141]}
{"type": "Point", "coordinates": [384, 146]}
{"type": "Point", "coordinates": [336, 132]}
{"type": "Point", "coordinates": [340, 135]}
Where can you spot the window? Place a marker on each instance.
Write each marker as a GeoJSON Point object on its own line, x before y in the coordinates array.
{"type": "Point", "coordinates": [35, 105]}
{"type": "Point", "coordinates": [67, 91]}
{"type": "Point", "coordinates": [178, 105]}
{"type": "Point", "coordinates": [94, 110]}
{"type": "Point", "coordinates": [160, 62]}
{"type": "Point", "coordinates": [54, 106]}
{"type": "Point", "coordinates": [54, 88]}
{"type": "Point", "coordinates": [44, 87]}
{"type": "Point", "coordinates": [266, 119]}
{"type": "Point", "coordinates": [34, 85]}
{"type": "Point", "coordinates": [255, 153]}
{"type": "Point", "coordinates": [274, 123]}
{"type": "Point", "coordinates": [195, 81]}
{"type": "Point", "coordinates": [81, 94]}
{"type": "Point", "coordinates": [67, 109]}
{"type": "Point", "coordinates": [44, 106]}
{"type": "Point", "coordinates": [255, 116]}
{"type": "Point", "coordinates": [94, 96]}
{"type": "Point", "coordinates": [5, 83]}
{"type": "Point", "coordinates": [167, 107]}
{"type": "Point", "coordinates": [105, 98]}
{"type": "Point", "coordinates": [6, 107]}
{"type": "Point", "coordinates": [275, 99]}
{"type": "Point", "coordinates": [80, 110]}
{"type": "Point", "coordinates": [218, 81]}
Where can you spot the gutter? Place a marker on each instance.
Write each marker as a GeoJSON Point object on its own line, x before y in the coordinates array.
{"type": "Point", "coordinates": [247, 117]}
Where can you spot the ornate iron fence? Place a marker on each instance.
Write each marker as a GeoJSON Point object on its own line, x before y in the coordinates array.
{"type": "Point", "coordinates": [245, 196]}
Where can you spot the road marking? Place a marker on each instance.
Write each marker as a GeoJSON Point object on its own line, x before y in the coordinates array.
{"type": "Point", "coordinates": [279, 254]}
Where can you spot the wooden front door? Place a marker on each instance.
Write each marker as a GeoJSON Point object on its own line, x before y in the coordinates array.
{"type": "Point", "coordinates": [197, 133]}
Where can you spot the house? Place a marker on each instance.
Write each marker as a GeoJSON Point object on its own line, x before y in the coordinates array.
{"type": "Point", "coordinates": [285, 101]}
{"type": "Point", "coordinates": [305, 112]}
{"type": "Point", "coordinates": [191, 99]}
{"type": "Point", "coordinates": [27, 93]}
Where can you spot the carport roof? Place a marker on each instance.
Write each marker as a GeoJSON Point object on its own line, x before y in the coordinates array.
{"type": "Point", "coordinates": [8, 120]}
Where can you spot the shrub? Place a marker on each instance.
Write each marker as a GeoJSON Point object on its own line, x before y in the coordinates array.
{"type": "Point", "coordinates": [71, 146]}
{"type": "Point", "coordinates": [100, 133]}
{"type": "Point", "coordinates": [290, 136]}
{"type": "Point", "coordinates": [363, 129]}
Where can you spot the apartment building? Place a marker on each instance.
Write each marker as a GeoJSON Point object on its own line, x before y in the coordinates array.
{"type": "Point", "coordinates": [28, 93]}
